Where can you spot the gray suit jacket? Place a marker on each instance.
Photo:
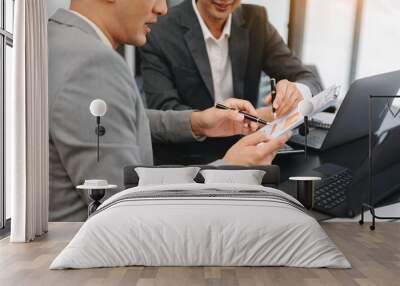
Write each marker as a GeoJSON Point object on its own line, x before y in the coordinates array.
{"type": "Point", "coordinates": [177, 73]}
{"type": "Point", "coordinates": [81, 69]}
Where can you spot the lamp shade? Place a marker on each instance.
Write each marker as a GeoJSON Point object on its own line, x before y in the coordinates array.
{"type": "Point", "coordinates": [98, 107]}
{"type": "Point", "coordinates": [306, 107]}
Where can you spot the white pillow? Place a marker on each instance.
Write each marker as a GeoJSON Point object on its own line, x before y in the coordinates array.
{"type": "Point", "coordinates": [166, 176]}
{"type": "Point", "coordinates": [246, 177]}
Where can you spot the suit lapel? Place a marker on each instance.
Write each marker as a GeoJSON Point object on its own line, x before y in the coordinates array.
{"type": "Point", "coordinates": [238, 50]}
{"type": "Point", "coordinates": [195, 41]}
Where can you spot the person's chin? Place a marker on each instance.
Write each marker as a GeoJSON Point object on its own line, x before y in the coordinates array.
{"type": "Point", "coordinates": [139, 40]}
{"type": "Point", "coordinates": [220, 15]}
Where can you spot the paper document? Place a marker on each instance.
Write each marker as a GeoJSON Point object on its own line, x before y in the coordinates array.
{"type": "Point", "coordinates": [324, 117]}
{"type": "Point", "coordinates": [294, 119]}
{"type": "Point", "coordinates": [322, 120]}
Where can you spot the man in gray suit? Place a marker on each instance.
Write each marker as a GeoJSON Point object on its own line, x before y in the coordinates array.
{"type": "Point", "coordinates": [84, 66]}
{"type": "Point", "coordinates": [205, 51]}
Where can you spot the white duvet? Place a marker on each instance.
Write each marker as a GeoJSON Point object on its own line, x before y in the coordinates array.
{"type": "Point", "coordinates": [200, 231]}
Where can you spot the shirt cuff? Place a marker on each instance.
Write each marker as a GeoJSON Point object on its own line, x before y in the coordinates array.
{"type": "Point", "coordinates": [198, 138]}
{"type": "Point", "coordinates": [304, 90]}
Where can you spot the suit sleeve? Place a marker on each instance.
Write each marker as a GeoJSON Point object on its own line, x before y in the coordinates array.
{"type": "Point", "coordinates": [281, 63]}
{"type": "Point", "coordinates": [170, 126]}
{"type": "Point", "coordinates": [72, 127]}
{"type": "Point", "coordinates": [158, 82]}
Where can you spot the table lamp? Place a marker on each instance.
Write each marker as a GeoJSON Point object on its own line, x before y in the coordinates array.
{"type": "Point", "coordinates": [98, 108]}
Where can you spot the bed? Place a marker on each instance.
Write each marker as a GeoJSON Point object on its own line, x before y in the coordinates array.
{"type": "Point", "coordinates": [201, 224]}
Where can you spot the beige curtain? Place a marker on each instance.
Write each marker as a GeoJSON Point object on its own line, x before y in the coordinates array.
{"type": "Point", "coordinates": [27, 124]}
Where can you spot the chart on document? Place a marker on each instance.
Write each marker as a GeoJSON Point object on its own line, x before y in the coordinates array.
{"type": "Point", "coordinates": [294, 119]}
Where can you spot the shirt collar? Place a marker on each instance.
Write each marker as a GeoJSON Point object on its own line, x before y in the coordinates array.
{"type": "Point", "coordinates": [98, 31]}
{"type": "Point", "coordinates": [206, 32]}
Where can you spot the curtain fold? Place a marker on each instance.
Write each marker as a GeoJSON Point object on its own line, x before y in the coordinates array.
{"type": "Point", "coordinates": [27, 140]}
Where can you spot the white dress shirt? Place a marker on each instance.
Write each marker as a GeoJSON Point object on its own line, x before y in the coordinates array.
{"type": "Point", "coordinates": [218, 55]}
{"type": "Point", "coordinates": [220, 62]}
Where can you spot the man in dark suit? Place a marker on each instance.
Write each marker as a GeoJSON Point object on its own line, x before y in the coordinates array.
{"type": "Point", "coordinates": [206, 51]}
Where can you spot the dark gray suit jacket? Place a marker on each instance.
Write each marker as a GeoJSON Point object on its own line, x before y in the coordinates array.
{"type": "Point", "coordinates": [177, 73]}
{"type": "Point", "coordinates": [81, 69]}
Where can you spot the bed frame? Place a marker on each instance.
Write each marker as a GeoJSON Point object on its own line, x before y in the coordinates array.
{"type": "Point", "coordinates": [271, 177]}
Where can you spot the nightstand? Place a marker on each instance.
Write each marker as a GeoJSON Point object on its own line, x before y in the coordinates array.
{"type": "Point", "coordinates": [97, 190]}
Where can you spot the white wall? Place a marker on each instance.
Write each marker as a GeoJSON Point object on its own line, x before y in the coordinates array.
{"type": "Point", "coordinates": [53, 5]}
{"type": "Point", "coordinates": [328, 39]}
{"type": "Point", "coordinates": [380, 38]}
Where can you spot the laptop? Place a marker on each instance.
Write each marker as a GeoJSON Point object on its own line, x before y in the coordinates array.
{"type": "Point", "coordinates": [351, 120]}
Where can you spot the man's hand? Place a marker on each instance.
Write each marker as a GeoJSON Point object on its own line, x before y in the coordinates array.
{"type": "Point", "coordinates": [288, 97]}
{"type": "Point", "coordinates": [265, 113]}
{"type": "Point", "coordinates": [249, 152]}
{"type": "Point", "coordinates": [215, 122]}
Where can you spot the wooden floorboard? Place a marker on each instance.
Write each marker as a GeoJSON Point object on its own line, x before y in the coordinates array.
{"type": "Point", "coordinates": [375, 257]}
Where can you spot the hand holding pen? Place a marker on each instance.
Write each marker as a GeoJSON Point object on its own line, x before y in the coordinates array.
{"type": "Point", "coordinates": [246, 115]}
{"type": "Point", "coordinates": [217, 122]}
{"type": "Point", "coordinates": [284, 96]}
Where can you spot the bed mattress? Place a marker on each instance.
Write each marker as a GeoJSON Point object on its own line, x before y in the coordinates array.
{"type": "Point", "coordinates": [201, 225]}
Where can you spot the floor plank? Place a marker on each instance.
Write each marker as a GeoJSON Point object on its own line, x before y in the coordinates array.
{"type": "Point", "coordinates": [375, 257]}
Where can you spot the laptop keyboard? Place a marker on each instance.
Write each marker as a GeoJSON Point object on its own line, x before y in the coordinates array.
{"type": "Point", "coordinates": [331, 191]}
{"type": "Point", "coordinates": [315, 138]}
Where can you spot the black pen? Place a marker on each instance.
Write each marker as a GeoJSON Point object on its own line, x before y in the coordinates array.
{"type": "Point", "coordinates": [272, 82]}
{"type": "Point", "coordinates": [246, 115]}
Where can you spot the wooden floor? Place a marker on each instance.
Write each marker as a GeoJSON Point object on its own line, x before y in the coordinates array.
{"type": "Point", "coordinates": [375, 257]}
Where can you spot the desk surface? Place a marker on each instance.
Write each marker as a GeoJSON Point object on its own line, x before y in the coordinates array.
{"type": "Point", "coordinates": [351, 155]}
